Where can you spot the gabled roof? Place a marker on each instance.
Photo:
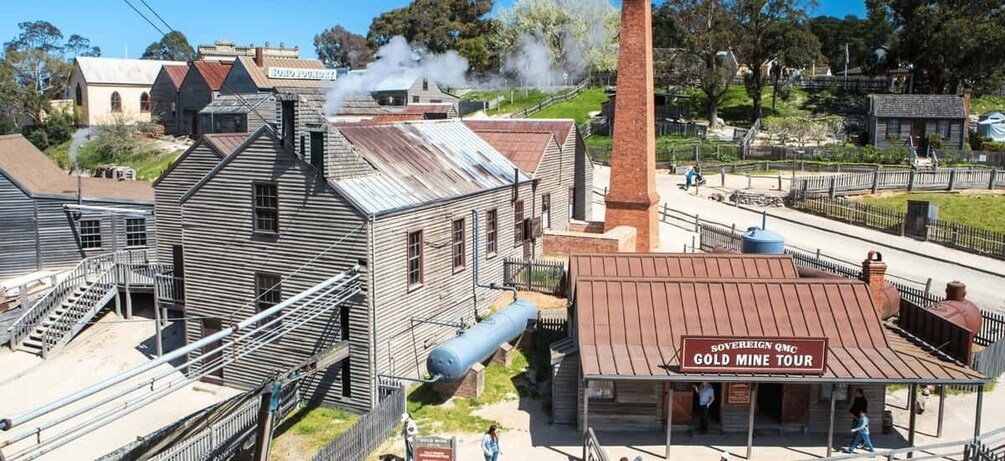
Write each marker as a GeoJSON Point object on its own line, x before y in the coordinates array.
{"type": "Point", "coordinates": [260, 75]}
{"type": "Point", "coordinates": [918, 106]}
{"type": "Point", "coordinates": [632, 328]}
{"type": "Point", "coordinates": [37, 175]}
{"type": "Point", "coordinates": [524, 149]}
{"type": "Point", "coordinates": [121, 71]}
{"type": "Point", "coordinates": [240, 104]}
{"type": "Point", "coordinates": [422, 162]}
{"type": "Point", "coordinates": [212, 72]}
{"type": "Point", "coordinates": [176, 74]}
{"type": "Point", "coordinates": [226, 143]}
{"type": "Point", "coordinates": [401, 81]}
{"type": "Point", "coordinates": [428, 108]}
{"type": "Point", "coordinates": [561, 129]}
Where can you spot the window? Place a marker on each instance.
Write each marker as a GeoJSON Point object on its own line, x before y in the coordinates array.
{"type": "Point", "coordinates": [944, 129]}
{"type": "Point", "coordinates": [90, 234]}
{"type": "Point", "coordinates": [425, 85]}
{"type": "Point", "coordinates": [546, 211]}
{"type": "Point", "coordinates": [268, 293]}
{"type": "Point", "coordinates": [79, 95]}
{"type": "Point", "coordinates": [840, 392]}
{"type": "Point", "coordinates": [116, 102]}
{"type": "Point", "coordinates": [893, 128]}
{"type": "Point", "coordinates": [602, 391]}
{"type": "Point", "coordinates": [457, 243]}
{"type": "Point", "coordinates": [346, 379]}
{"type": "Point", "coordinates": [518, 237]}
{"type": "Point", "coordinates": [492, 233]}
{"type": "Point", "coordinates": [318, 151]}
{"type": "Point", "coordinates": [136, 232]}
{"type": "Point", "coordinates": [415, 99]}
{"type": "Point", "coordinates": [572, 202]}
{"type": "Point", "coordinates": [414, 259]}
{"type": "Point", "coordinates": [266, 207]}
{"type": "Point", "coordinates": [144, 102]}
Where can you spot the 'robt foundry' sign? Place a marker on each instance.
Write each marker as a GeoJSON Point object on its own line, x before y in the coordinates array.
{"type": "Point", "coordinates": [741, 354]}
{"type": "Point", "coordinates": [293, 73]}
{"type": "Point", "coordinates": [435, 449]}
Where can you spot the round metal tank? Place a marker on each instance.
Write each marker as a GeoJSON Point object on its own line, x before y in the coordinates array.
{"type": "Point", "coordinates": [957, 309]}
{"type": "Point", "coordinates": [454, 358]}
{"type": "Point", "coordinates": [761, 241]}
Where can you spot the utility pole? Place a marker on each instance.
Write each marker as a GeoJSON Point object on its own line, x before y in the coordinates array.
{"type": "Point", "coordinates": [266, 415]}
{"type": "Point", "coordinates": [846, 61]}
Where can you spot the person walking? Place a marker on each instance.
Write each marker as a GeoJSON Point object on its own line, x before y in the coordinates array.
{"type": "Point", "coordinates": [688, 178]}
{"type": "Point", "coordinates": [490, 444]}
{"type": "Point", "coordinates": [858, 405]}
{"type": "Point", "coordinates": [408, 431]}
{"type": "Point", "coordinates": [706, 395]}
{"type": "Point", "coordinates": [861, 434]}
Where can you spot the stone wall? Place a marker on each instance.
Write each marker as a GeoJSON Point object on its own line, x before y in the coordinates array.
{"type": "Point", "coordinates": [760, 199]}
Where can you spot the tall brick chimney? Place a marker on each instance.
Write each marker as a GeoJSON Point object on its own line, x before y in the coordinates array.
{"type": "Point", "coordinates": [259, 56]}
{"type": "Point", "coordinates": [632, 200]}
{"type": "Point", "coordinates": [968, 94]}
{"type": "Point", "coordinates": [874, 275]}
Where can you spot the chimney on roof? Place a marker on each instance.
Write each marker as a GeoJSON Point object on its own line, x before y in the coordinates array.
{"type": "Point", "coordinates": [259, 56]}
{"type": "Point", "coordinates": [956, 291]}
{"type": "Point", "coordinates": [874, 275]}
{"type": "Point", "coordinates": [968, 93]}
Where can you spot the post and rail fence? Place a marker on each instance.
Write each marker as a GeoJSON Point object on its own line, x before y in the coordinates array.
{"type": "Point", "coordinates": [898, 179]}
{"type": "Point", "coordinates": [583, 85]}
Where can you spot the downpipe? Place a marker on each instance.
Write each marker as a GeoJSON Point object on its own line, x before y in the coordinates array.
{"type": "Point", "coordinates": [476, 226]}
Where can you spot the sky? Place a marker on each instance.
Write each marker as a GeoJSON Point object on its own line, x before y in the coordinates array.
{"type": "Point", "coordinates": [121, 32]}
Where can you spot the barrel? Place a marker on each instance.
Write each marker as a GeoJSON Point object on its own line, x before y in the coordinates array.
{"type": "Point", "coordinates": [452, 359]}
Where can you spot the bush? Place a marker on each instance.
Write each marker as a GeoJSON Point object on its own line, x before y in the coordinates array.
{"type": "Point", "coordinates": [57, 129]}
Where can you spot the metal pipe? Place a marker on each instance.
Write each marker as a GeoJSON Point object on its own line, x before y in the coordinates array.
{"type": "Point", "coordinates": [72, 207]}
{"type": "Point", "coordinates": [942, 409]}
{"type": "Point", "coordinates": [434, 379]}
{"type": "Point", "coordinates": [477, 272]}
{"type": "Point", "coordinates": [7, 424]}
{"type": "Point", "coordinates": [669, 410]}
{"type": "Point", "coordinates": [157, 327]}
{"type": "Point", "coordinates": [830, 427]}
{"type": "Point", "coordinates": [980, 409]}
{"type": "Point", "coordinates": [911, 402]}
{"type": "Point", "coordinates": [750, 420]}
{"type": "Point", "coordinates": [371, 264]}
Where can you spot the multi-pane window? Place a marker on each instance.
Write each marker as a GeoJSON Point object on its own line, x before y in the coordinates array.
{"type": "Point", "coordinates": [414, 258]}
{"type": "Point", "coordinates": [136, 232]}
{"type": "Point", "coordinates": [266, 207]}
{"type": "Point", "coordinates": [893, 128]}
{"type": "Point", "coordinates": [415, 99]}
{"type": "Point", "coordinates": [90, 234]}
{"type": "Point", "coordinates": [457, 243]}
{"type": "Point", "coordinates": [116, 102]}
{"type": "Point", "coordinates": [144, 102]}
{"type": "Point", "coordinates": [602, 390]}
{"type": "Point", "coordinates": [268, 293]}
{"type": "Point", "coordinates": [518, 237]}
{"type": "Point", "coordinates": [546, 211]}
{"type": "Point", "coordinates": [572, 202]}
{"type": "Point", "coordinates": [943, 127]}
{"type": "Point", "coordinates": [492, 233]}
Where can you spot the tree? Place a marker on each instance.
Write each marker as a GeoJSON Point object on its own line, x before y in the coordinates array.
{"type": "Point", "coordinates": [707, 36]}
{"type": "Point", "coordinates": [173, 46]}
{"type": "Point", "coordinates": [762, 24]}
{"type": "Point", "coordinates": [946, 42]}
{"type": "Point", "coordinates": [435, 25]}
{"type": "Point", "coordinates": [861, 37]}
{"type": "Point", "coordinates": [80, 46]}
{"type": "Point", "coordinates": [476, 51]}
{"type": "Point", "coordinates": [341, 48]}
{"type": "Point", "coordinates": [797, 48]}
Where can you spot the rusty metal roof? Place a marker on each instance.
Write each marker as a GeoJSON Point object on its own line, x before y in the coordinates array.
{"type": "Point", "coordinates": [260, 75]}
{"type": "Point", "coordinates": [422, 162]}
{"type": "Point", "coordinates": [212, 72]}
{"type": "Point", "coordinates": [631, 328]}
{"type": "Point", "coordinates": [428, 108]}
{"type": "Point", "coordinates": [226, 143]}
{"type": "Point", "coordinates": [176, 73]}
{"type": "Point", "coordinates": [525, 149]}
{"type": "Point", "coordinates": [560, 128]}
{"type": "Point", "coordinates": [682, 265]}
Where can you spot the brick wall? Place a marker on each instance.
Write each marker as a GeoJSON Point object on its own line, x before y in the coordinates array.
{"type": "Point", "coordinates": [618, 240]}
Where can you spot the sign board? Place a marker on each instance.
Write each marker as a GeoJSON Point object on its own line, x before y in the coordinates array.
{"type": "Point", "coordinates": [756, 354]}
{"type": "Point", "coordinates": [435, 449]}
{"type": "Point", "coordinates": [292, 73]}
{"type": "Point", "coordinates": [738, 393]}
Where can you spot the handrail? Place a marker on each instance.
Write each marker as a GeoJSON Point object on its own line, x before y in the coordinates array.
{"type": "Point", "coordinates": [594, 452]}
{"type": "Point", "coordinates": [68, 324]}
{"type": "Point", "coordinates": [996, 435]}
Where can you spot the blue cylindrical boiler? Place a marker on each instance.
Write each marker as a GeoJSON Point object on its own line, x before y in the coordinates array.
{"type": "Point", "coordinates": [762, 241]}
{"type": "Point", "coordinates": [454, 358]}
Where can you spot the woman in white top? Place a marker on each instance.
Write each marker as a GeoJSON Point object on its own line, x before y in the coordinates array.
{"type": "Point", "coordinates": [408, 432]}
{"type": "Point", "coordinates": [490, 444]}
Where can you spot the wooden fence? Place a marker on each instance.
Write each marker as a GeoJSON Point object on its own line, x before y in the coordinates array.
{"type": "Point", "coordinates": [550, 330]}
{"type": "Point", "coordinates": [967, 238]}
{"type": "Point", "coordinates": [891, 179]}
{"type": "Point", "coordinates": [748, 138]}
{"type": "Point", "coordinates": [992, 329]}
{"type": "Point", "coordinates": [552, 100]}
{"type": "Point", "coordinates": [991, 359]}
{"type": "Point", "coordinates": [541, 276]}
{"type": "Point", "coordinates": [682, 154]}
{"type": "Point", "coordinates": [369, 432]}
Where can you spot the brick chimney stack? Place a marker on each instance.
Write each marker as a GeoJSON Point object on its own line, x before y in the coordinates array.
{"type": "Point", "coordinates": [956, 291]}
{"type": "Point", "coordinates": [874, 275]}
{"type": "Point", "coordinates": [259, 56]}
{"type": "Point", "coordinates": [632, 200]}
{"type": "Point", "coordinates": [968, 94]}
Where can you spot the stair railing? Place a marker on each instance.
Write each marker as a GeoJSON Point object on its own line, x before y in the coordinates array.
{"type": "Point", "coordinates": [80, 310]}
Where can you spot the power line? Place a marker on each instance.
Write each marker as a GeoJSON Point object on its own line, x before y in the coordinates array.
{"type": "Point", "coordinates": [145, 18]}
{"type": "Point", "coordinates": [158, 16]}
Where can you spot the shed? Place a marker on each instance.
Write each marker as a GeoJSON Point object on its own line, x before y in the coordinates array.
{"type": "Point", "coordinates": [201, 86]}
{"type": "Point", "coordinates": [992, 126]}
{"type": "Point", "coordinates": [237, 113]}
{"type": "Point", "coordinates": [164, 96]}
{"type": "Point", "coordinates": [896, 120]}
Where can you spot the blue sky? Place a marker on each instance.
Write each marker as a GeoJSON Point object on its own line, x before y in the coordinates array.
{"type": "Point", "coordinates": [117, 29]}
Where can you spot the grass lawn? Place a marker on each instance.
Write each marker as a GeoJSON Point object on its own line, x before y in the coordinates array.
{"type": "Point", "coordinates": [514, 99]}
{"type": "Point", "coordinates": [306, 431]}
{"type": "Point", "coordinates": [577, 108]}
{"type": "Point", "coordinates": [985, 104]}
{"type": "Point", "coordinates": [986, 211]}
{"type": "Point", "coordinates": [736, 106]}
{"type": "Point", "coordinates": [60, 153]}
{"type": "Point", "coordinates": [150, 165]}
{"type": "Point", "coordinates": [433, 415]}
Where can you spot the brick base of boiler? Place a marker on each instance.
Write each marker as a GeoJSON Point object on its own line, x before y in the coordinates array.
{"type": "Point", "coordinates": [589, 237]}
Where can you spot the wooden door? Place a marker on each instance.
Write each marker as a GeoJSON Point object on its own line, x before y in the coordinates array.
{"type": "Point", "coordinates": [795, 403]}
{"type": "Point", "coordinates": [210, 327]}
{"type": "Point", "coordinates": [682, 406]}
{"type": "Point", "coordinates": [178, 260]}
{"type": "Point", "coordinates": [918, 133]}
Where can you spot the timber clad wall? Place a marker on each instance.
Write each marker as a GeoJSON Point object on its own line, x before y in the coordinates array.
{"type": "Point", "coordinates": [432, 95]}
{"type": "Point", "coordinates": [238, 81]}
{"type": "Point", "coordinates": [565, 383]}
{"type": "Point", "coordinates": [187, 171]}
{"type": "Point", "coordinates": [584, 176]}
{"type": "Point", "coordinates": [313, 217]}
{"type": "Point", "coordinates": [193, 95]}
{"type": "Point", "coordinates": [164, 103]}
{"type": "Point", "coordinates": [881, 134]}
{"type": "Point", "coordinates": [18, 228]}
{"type": "Point", "coordinates": [556, 174]}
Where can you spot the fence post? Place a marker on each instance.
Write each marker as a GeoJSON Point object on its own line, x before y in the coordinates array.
{"type": "Point", "coordinates": [722, 177]}
{"type": "Point", "coordinates": [928, 286]}
{"type": "Point", "coordinates": [664, 212]}
{"type": "Point", "coordinates": [875, 181]}
{"type": "Point", "coordinates": [991, 183]}
{"type": "Point", "coordinates": [779, 182]}
{"type": "Point", "coordinates": [952, 180]}
{"type": "Point", "coordinates": [527, 269]}
{"type": "Point", "coordinates": [749, 181]}
{"type": "Point", "coordinates": [832, 191]}
{"type": "Point", "coordinates": [910, 182]}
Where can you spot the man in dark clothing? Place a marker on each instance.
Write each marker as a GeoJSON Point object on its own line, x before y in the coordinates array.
{"type": "Point", "coordinates": [859, 405]}
{"type": "Point", "coordinates": [706, 395]}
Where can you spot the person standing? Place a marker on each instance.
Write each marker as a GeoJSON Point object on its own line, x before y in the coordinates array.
{"type": "Point", "coordinates": [408, 431]}
{"type": "Point", "coordinates": [858, 405]}
{"type": "Point", "coordinates": [861, 434]}
{"type": "Point", "coordinates": [490, 444]}
{"type": "Point", "coordinates": [706, 395]}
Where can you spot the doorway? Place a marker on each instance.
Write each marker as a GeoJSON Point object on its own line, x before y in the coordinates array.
{"type": "Point", "coordinates": [211, 327]}
{"type": "Point", "coordinates": [918, 135]}
{"type": "Point", "coordinates": [769, 404]}
{"type": "Point", "coordinates": [714, 410]}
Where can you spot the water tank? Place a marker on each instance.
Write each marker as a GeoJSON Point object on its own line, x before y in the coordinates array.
{"type": "Point", "coordinates": [761, 241]}
{"type": "Point", "coordinates": [454, 358]}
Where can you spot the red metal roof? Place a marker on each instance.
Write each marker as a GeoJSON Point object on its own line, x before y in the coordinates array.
{"type": "Point", "coordinates": [226, 143]}
{"type": "Point", "coordinates": [525, 150]}
{"type": "Point", "coordinates": [176, 73]}
{"type": "Point", "coordinates": [559, 128]}
{"type": "Point", "coordinates": [428, 108]}
{"type": "Point", "coordinates": [682, 265]}
{"type": "Point", "coordinates": [394, 117]}
{"type": "Point", "coordinates": [213, 72]}
{"type": "Point", "coordinates": [631, 328]}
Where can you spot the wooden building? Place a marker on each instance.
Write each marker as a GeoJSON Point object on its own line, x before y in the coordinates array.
{"type": "Point", "coordinates": [105, 90]}
{"type": "Point", "coordinates": [898, 119]}
{"type": "Point", "coordinates": [201, 86]}
{"type": "Point", "coordinates": [407, 88]}
{"type": "Point", "coordinates": [42, 228]}
{"type": "Point", "coordinates": [397, 199]}
{"type": "Point", "coordinates": [228, 51]}
{"type": "Point", "coordinates": [164, 97]}
{"type": "Point", "coordinates": [650, 327]}
{"type": "Point", "coordinates": [237, 113]}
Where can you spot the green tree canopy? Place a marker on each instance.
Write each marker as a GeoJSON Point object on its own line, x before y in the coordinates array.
{"type": "Point", "coordinates": [579, 34]}
{"type": "Point", "coordinates": [173, 46]}
{"type": "Point", "coordinates": [341, 48]}
{"type": "Point", "coordinates": [436, 25]}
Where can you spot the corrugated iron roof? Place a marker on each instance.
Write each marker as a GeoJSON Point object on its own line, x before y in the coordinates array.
{"type": "Point", "coordinates": [240, 104]}
{"type": "Point", "coordinates": [226, 143]}
{"type": "Point", "coordinates": [422, 162]}
{"type": "Point", "coordinates": [397, 82]}
{"type": "Point", "coordinates": [121, 71]}
{"type": "Point", "coordinates": [428, 108]}
{"type": "Point", "coordinates": [560, 128]}
{"type": "Point", "coordinates": [394, 117]}
{"type": "Point", "coordinates": [260, 75]}
{"type": "Point", "coordinates": [176, 74]}
{"type": "Point", "coordinates": [683, 265]}
{"type": "Point", "coordinates": [213, 72]}
{"type": "Point", "coordinates": [524, 149]}
{"type": "Point", "coordinates": [27, 166]}
{"type": "Point", "coordinates": [631, 328]}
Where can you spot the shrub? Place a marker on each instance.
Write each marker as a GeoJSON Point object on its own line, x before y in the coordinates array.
{"type": "Point", "coordinates": [57, 129]}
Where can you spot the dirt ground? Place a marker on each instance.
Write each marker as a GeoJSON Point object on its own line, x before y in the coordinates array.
{"type": "Point", "coordinates": [543, 302]}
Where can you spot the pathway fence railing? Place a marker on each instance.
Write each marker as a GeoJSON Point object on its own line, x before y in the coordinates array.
{"type": "Point", "coordinates": [887, 179]}
{"type": "Point", "coordinates": [592, 450]}
{"type": "Point", "coordinates": [989, 446]}
{"type": "Point", "coordinates": [552, 100]}
{"type": "Point", "coordinates": [369, 431]}
{"type": "Point", "coordinates": [541, 276]}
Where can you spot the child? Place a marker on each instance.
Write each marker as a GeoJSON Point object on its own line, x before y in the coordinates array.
{"type": "Point", "coordinates": [861, 434]}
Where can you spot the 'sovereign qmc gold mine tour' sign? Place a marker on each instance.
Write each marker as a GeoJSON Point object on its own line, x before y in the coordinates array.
{"type": "Point", "coordinates": [753, 354]}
